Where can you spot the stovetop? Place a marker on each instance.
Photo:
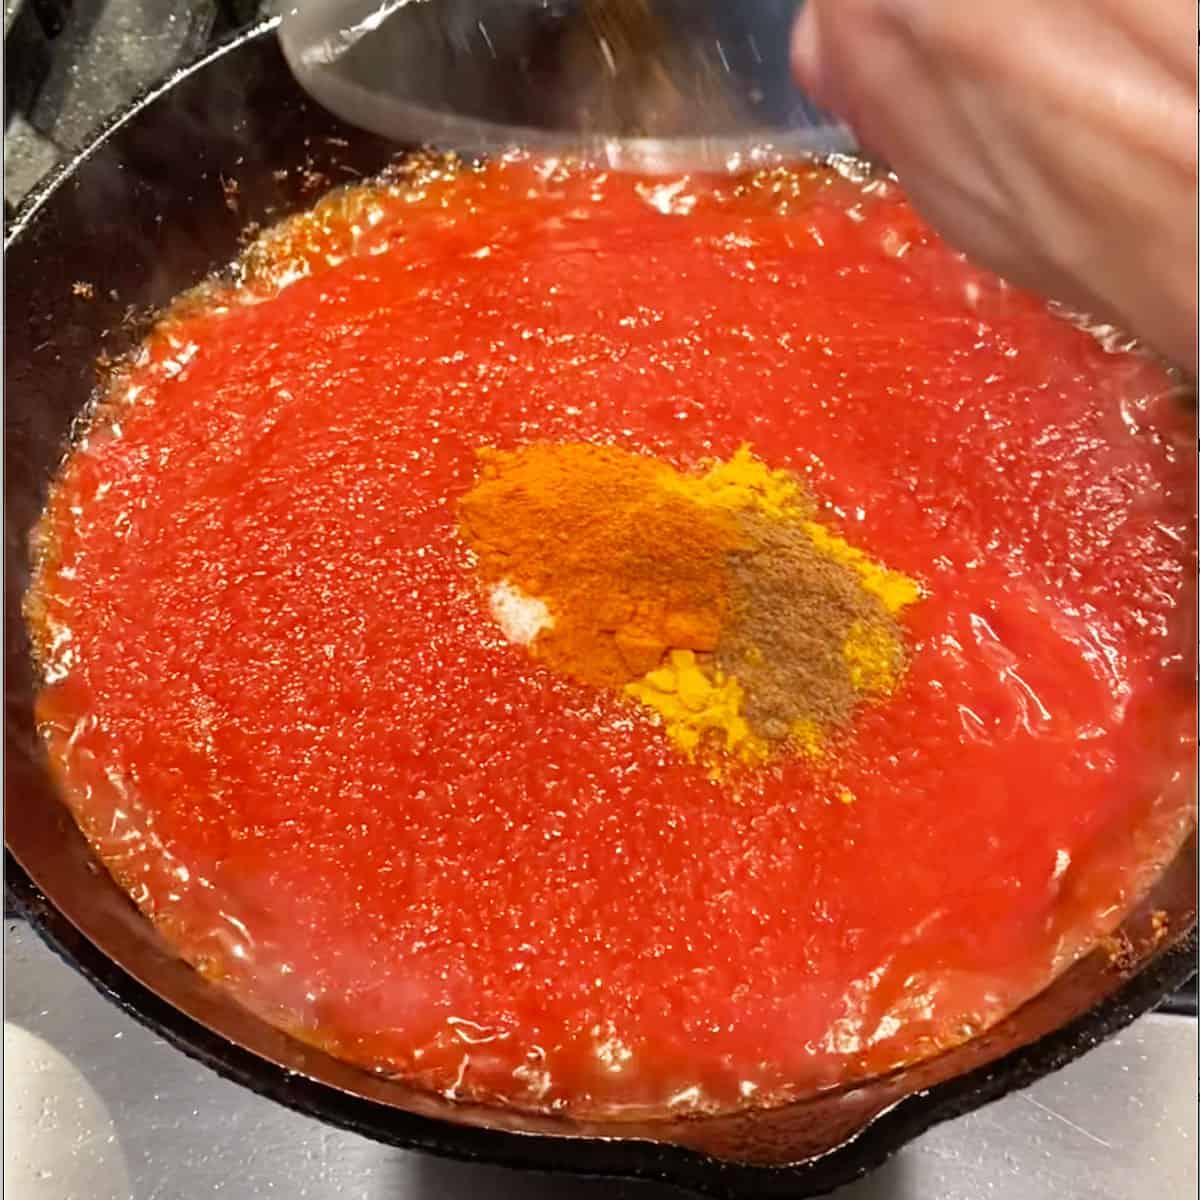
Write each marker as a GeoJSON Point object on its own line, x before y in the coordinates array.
{"type": "Point", "coordinates": [98, 1107]}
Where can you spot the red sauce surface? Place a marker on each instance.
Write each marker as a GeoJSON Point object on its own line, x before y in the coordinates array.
{"type": "Point", "coordinates": [281, 712]}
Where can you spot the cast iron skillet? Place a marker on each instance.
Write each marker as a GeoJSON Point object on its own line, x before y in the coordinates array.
{"type": "Point", "coordinates": [153, 204]}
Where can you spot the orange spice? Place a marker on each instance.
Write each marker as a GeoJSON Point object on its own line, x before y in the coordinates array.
{"type": "Point", "coordinates": [618, 556]}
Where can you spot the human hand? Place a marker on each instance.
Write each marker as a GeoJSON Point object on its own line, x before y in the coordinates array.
{"type": "Point", "coordinates": [1051, 140]}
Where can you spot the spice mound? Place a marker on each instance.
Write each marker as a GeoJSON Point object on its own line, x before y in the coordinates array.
{"type": "Point", "coordinates": [714, 598]}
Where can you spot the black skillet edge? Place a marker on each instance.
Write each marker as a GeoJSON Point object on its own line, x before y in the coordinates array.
{"type": "Point", "coordinates": [615, 1158]}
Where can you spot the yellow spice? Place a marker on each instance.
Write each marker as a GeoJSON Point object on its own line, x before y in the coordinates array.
{"type": "Point", "coordinates": [894, 590]}
{"type": "Point", "coordinates": [694, 701]}
{"type": "Point", "coordinates": [807, 738]}
{"type": "Point", "coordinates": [744, 483]}
{"type": "Point", "coordinates": [874, 658]}
{"type": "Point", "coordinates": [691, 702]}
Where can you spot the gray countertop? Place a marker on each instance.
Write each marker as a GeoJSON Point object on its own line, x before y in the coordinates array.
{"type": "Point", "coordinates": [97, 1108]}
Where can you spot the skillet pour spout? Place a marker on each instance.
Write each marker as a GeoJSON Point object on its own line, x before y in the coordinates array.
{"type": "Point", "coordinates": [145, 211]}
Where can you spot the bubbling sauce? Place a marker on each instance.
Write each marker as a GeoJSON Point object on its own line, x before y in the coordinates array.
{"type": "Point", "coordinates": [279, 706]}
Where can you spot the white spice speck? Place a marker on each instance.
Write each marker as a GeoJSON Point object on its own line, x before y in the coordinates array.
{"type": "Point", "coordinates": [521, 617]}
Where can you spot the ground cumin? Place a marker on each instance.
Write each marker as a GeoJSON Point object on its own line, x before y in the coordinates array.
{"type": "Point", "coordinates": [792, 612]}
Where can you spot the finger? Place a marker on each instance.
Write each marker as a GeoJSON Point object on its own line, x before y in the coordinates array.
{"type": "Point", "coordinates": [806, 54]}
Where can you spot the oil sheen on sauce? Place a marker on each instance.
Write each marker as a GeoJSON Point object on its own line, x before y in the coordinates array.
{"type": "Point", "coordinates": [280, 710]}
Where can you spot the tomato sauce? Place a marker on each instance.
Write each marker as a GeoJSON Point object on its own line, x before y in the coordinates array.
{"type": "Point", "coordinates": [280, 710]}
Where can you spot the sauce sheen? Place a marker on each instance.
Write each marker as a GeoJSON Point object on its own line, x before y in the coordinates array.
{"type": "Point", "coordinates": [278, 704]}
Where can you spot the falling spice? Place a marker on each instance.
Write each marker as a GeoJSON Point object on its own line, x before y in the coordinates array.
{"type": "Point", "coordinates": [713, 598]}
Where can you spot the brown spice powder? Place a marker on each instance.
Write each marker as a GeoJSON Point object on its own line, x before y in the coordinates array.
{"type": "Point", "coordinates": [791, 610]}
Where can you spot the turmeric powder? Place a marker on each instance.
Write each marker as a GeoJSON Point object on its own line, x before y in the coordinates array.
{"type": "Point", "coordinates": [692, 702]}
{"type": "Point", "coordinates": [713, 598]}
